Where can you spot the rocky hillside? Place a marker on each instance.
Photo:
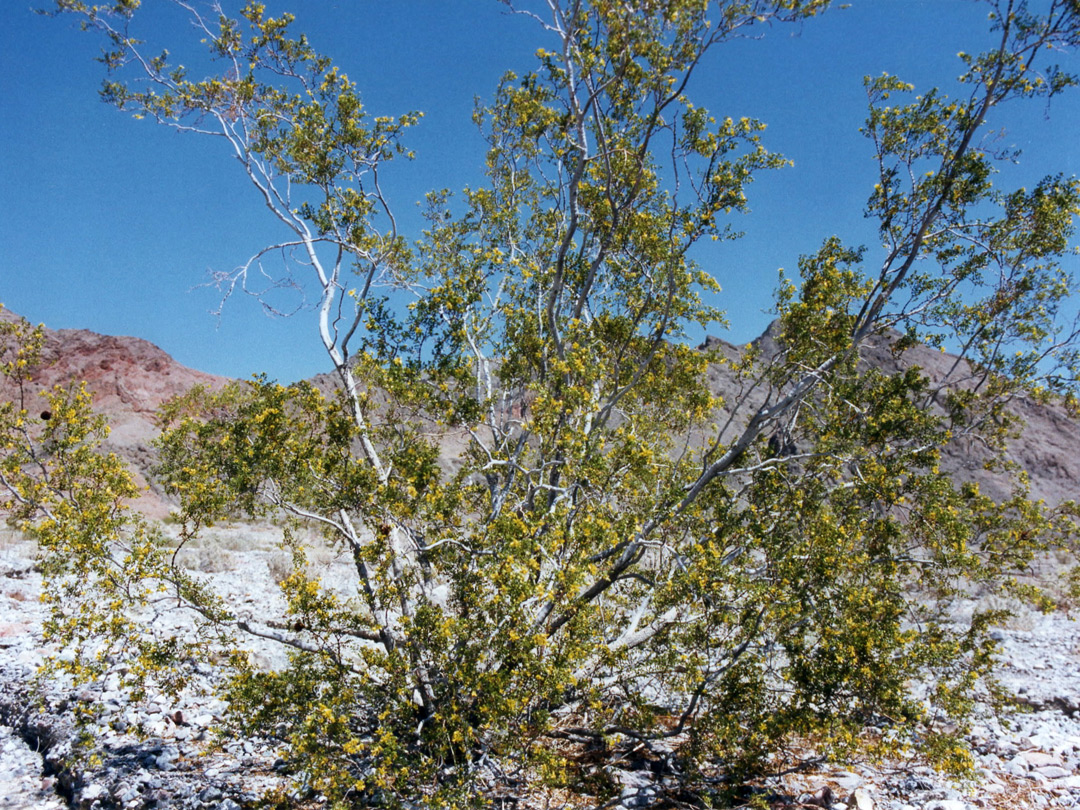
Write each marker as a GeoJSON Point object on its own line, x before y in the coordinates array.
{"type": "Point", "coordinates": [1048, 447]}
{"type": "Point", "coordinates": [130, 378]}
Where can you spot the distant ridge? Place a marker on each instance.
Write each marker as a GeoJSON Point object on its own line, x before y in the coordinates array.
{"type": "Point", "coordinates": [130, 378]}
{"type": "Point", "coordinates": [1048, 447]}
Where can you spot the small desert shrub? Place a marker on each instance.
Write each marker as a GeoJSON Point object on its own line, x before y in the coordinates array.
{"type": "Point", "coordinates": [280, 565]}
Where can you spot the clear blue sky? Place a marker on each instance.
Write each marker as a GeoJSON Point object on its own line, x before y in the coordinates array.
{"type": "Point", "coordinates": [111, 224]}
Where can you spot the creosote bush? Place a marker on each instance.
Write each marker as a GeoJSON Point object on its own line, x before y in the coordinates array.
{"type": "Point", "coordinates": [107, 570]}
{"type": "Point", "coordinates": [560, 541]}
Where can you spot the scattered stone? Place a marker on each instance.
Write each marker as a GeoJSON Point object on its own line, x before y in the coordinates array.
{"type": "Point", "coordinates": [209, 794]}
{"type": "Point", "coordinates": [1025, 759]}
{"type": "Point", "coordinates": [945, 804]}
{"type": "Point", "coordinates": [92, 793]}
{"type": "Point", "coordinates": [846, 780]}
{"type": "Point", "coordinates": [1037, 759]}
{"type": "Point", "coordinates": [824, 797]}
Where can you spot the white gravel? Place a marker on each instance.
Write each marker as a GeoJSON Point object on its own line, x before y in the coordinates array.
{"type": "Point", "coordinates": [22, 786]}
{"type": "Point", "coordinates": [1027, 759]}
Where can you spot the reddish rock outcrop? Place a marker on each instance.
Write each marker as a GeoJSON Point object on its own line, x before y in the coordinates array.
{"type": "Point", "coordinates": [129, 379]}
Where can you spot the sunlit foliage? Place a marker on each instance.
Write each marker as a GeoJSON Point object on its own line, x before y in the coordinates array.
{"type": "Point", "coordinates": [557, 533]}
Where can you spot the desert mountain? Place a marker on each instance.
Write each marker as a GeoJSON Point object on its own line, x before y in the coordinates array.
{"type": "Point", "coordinates": [1048, 447]}
{"type": "Point", "coordinates": [130, 378]}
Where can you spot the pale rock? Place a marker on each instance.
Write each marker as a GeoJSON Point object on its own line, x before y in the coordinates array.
{"type": "Point", "coordinates": [209, 794]}
{"type": "Point", "coordinates": [159, 728]}
{"type": "Point", "coordinates": [94, 792]}
{"type": "Point", "coordinates": [1043, 739]}
{"type": "Point", "coordinates": [1038, 759]}
{"type": "Point", "coordinates": [823, 797]}
{"type": "Point", "coordinates": [166, 760]}
{"type": "Point", "coordinates": [846, 780]}
{"type": "Point", "coordinates": [1053, 771]}
{"type": "Point", "coordinates": [1016, 767]}
{"type": "Point", "coordinates": [125, 793]}
{"type": "Point", "coordinates": [861, 800]}
{"type": "Point", "coordinates": [631, 781]}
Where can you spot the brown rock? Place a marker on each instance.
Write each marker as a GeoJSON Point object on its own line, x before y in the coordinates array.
{"type": "Point", "coordinates": [129, 379]}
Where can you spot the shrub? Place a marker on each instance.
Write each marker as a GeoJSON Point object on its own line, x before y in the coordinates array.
{"type": "Point", "coordinates": [614, 556]}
